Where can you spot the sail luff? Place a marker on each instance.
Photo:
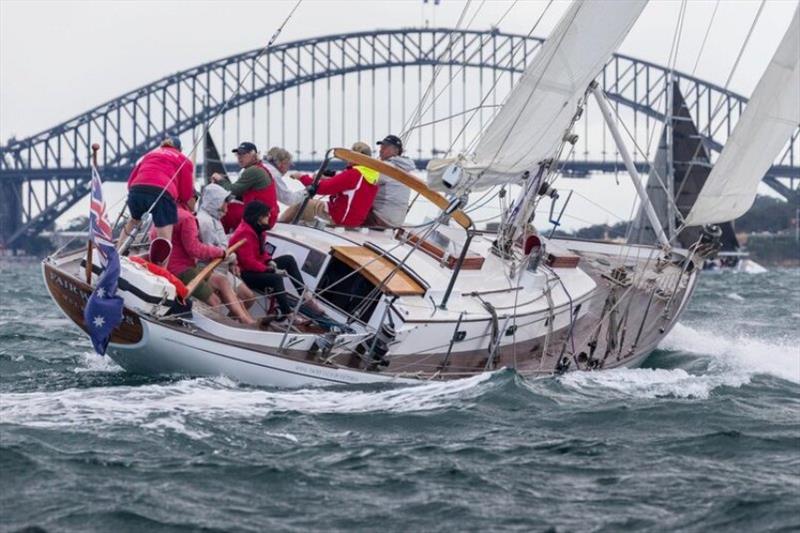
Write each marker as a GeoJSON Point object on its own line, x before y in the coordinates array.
{"type": "Point", "coordinates": [531, 125]}
{"type": "Point", "coordinates": [767, 123]}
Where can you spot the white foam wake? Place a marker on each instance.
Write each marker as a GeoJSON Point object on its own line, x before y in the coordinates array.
{"type": "Point", "coordinates": [733, 362]}
{"type": "Point", "coordinates": [740, 353]}
{"type": "Point", "coordinates": [92, 362]}
{"type": "Point", "coordinates": [173, 406]}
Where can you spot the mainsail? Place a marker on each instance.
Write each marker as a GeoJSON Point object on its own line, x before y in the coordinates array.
{"type": "Point", "coordinates": [531, 124]}
{"type": "Point", "coordinates": [212, 162]}
{"type": "Point", "coordinates": [769, 119]}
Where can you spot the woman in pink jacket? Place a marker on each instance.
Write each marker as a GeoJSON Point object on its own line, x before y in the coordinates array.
{"type": "Point", "coordinates": [187, 250]}
{"type": "Point", "coordinates": [161, 179]}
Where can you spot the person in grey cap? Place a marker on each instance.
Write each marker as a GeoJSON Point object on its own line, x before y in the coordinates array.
{"type": "Point", "coordinates": [391, 202]}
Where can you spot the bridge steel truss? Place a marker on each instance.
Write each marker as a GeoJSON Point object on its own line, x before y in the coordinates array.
{"type": "Point", "coordinates": [130, 125]}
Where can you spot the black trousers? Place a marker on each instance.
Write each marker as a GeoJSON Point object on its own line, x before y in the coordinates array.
{"type": "Point", "coordinates": [270, 282]}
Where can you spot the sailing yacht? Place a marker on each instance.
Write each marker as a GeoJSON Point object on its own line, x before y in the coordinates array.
{"type": "Point", "coordinates": [444, 300]}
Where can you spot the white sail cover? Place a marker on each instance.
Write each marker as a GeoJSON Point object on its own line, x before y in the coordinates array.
{"type": "Point", "coordinates": [532, 122]}
{"type": "Point", "coordinates": [769, 119]}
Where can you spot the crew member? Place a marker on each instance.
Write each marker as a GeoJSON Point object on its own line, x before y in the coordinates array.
{"type": "Point", "coordinates": [213, 207]}
{"type": "Point", "coordinates": [351, 194]}
{"type": "Point", "coordinates": [278, 161]}
{"type": "Point", "coordinates": [161, 179]}
{"type": "Point", "coordinates": [187, 249]}
{"type": "Point", "coordinates": [254, 183]}
{"type": "Point", "coordinates": [391, 202]}
{"type": "Point", "coordinates": [259, 269]}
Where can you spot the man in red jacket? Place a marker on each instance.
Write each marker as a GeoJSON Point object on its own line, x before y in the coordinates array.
{"type": "Point", "coordinates": [161, 179]}
{"type": "Point", "coordinates": [351, 193]}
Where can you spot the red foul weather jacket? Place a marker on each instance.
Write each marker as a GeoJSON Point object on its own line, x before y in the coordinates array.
{"type": "Point", "coordinates": [351, 192]}
{"type": "Point", "coordinates": [187, 248]}
{"type": "Point", "coordinates": [249, 256]}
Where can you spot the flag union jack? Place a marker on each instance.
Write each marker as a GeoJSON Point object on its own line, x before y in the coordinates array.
{"type": "Point", "coordinates": [103, 312]}
{"type": "Point", "coordinates": [98, 218]}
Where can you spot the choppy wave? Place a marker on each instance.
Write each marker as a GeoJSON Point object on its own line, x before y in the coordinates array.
{"type": "Point", "coordinates": [168, 405]}
{"type": "Point", "coordinates": [708, 425]}
{"type": "Point", "coordinates": [738, 354]}
{"type": "Point", "coordinates": [732, 362]}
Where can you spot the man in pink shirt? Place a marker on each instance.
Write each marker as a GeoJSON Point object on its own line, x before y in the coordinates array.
{"type": "Point", "coordinates": [161, 179]}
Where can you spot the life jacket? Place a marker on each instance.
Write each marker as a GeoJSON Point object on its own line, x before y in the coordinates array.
{"type": "Point", "coordinates": [180, 288]}
{"type": "Point", "coordinates": [268, 195]}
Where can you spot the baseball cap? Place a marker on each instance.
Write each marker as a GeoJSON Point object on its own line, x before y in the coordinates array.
{"type": "Point", "coordinates": [392, 140]}
{"type": "Point", "coordinates": [245, 147]}
{"type": "Point", "coordinates": [173, 138]}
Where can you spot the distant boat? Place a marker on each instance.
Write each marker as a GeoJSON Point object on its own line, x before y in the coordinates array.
{"type": "Point", "coordinates": [445, 301]}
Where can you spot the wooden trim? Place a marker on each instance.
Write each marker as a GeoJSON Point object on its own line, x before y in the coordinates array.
{"type": "Point", "coordinates": [406, 179]}
{"type": "Point", "coordinates": [71, 294]}
{"type": "Point", "coordinates": [208, 269]}
{"type": "Point", "coordinates": [377, 269]}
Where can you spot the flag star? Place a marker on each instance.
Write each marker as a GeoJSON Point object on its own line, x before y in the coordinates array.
{"type": "Point", "coordinates": [99, 321]}
{"type": "Point", "coordinates": [101, 292]}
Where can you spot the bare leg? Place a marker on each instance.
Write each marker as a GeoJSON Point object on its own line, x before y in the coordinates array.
{"type": "Point", "coordinates": [224, 289]}
{"type": "Point", "coordinates": [127, 229]}
{"type": "Point", "coordinates": [313, 207]}
{"type": "Point", "coordinates": [245, 295]}
{"type": "Point", "coordinates": [165, 232]}
{"type": "Point", "coordinates": [289, 213]}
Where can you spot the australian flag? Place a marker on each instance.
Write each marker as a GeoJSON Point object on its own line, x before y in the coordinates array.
{"type": "Point", "coordinates": [103, 311]}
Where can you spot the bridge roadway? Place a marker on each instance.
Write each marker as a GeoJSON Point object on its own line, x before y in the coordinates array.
{"type": "Point", "coordinates": [126, 127]}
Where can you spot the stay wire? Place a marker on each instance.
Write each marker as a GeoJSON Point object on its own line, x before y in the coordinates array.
{"type": "Point", "coordinates": [720, 100]}
{"type": "Point", "coordinates": [494, 84]}
{"type": "Point", "coordinates": [228, 102]}
{"type": "Point", "coordinates": [416, 115]}
{"type": "Point", "coordinates": [453, 76]}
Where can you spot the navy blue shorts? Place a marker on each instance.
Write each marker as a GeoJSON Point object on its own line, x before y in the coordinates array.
{"type": "Point", "coordinates": [141, 197]}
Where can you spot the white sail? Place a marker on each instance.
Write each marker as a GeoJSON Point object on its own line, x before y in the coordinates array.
{"type": "Point", "coordinates": [769, 119]}
{"type": "Point", "coordinates": [538, 112]}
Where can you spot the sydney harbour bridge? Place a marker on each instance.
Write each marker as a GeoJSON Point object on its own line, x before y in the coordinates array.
{"type": "Point", "coordinates": [328, 91]}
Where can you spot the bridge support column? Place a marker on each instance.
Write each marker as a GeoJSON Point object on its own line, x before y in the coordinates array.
{"type": "Point", "coordinates": [10, 208]}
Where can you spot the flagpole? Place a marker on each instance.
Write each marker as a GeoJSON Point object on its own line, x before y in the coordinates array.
{"type": "Point", "coordinates": [89, 244]}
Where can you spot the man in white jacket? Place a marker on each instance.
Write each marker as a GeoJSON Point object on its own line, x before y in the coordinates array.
{"type": "Point", "coordinates": [213, 205]}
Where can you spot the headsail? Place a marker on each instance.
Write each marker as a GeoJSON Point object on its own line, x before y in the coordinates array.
{"type": "Point", "coordinates": [769, 119]}
{"type": "Point", "coordinates": [532, 123]}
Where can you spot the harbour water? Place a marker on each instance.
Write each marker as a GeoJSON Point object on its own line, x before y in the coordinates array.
{"type": "Point", "coordinates": [704, 437]}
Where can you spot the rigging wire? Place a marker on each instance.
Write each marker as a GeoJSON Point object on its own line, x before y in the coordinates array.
{"type": "Point", "coordinates": [416, 115]}
{"type": "Point", "coordinates": [494, 85]}
{"type": "Point", "coordinates": [483, 40]}
{"type": "Point", "coordinates": [705, 38]}
{"type": "Point", "coordinates": [720, 100]}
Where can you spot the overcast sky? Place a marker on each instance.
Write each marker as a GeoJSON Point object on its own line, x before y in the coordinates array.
{"type": "Point", "coordinates": [61, 58]}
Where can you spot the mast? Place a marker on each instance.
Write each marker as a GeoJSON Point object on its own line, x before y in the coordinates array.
{"type": "Point", "coordinates": [670, 178]}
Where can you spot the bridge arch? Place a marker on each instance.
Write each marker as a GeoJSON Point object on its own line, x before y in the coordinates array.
{"type": "Point", "coordinates": [132, 123]}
